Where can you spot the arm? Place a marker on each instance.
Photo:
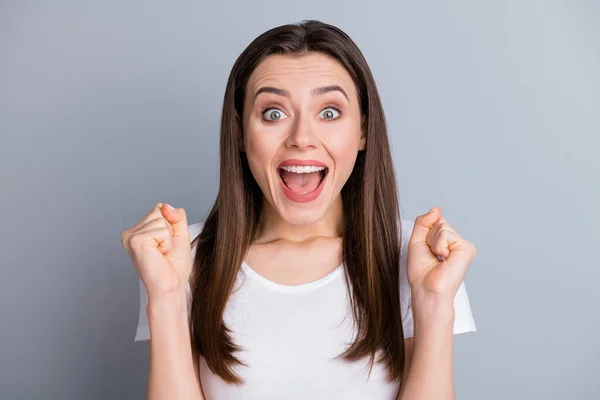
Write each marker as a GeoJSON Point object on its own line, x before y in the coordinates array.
{"type": "Point", "coordinates": [173, 369]}
{"type": "Point", "coordinates": [437, 261]}
{"type": "Point", "coordinates": [428, 363]}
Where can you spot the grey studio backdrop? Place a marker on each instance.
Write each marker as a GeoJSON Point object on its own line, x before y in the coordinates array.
{"type": "Point", "coordinates": [109, 107]}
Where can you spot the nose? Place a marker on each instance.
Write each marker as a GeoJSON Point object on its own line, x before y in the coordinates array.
{"type": "Point", "coordinates": [302, 135]}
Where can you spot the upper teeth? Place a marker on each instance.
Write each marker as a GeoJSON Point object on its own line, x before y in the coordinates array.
{"type": "Point", "coordinates": [302, 169]}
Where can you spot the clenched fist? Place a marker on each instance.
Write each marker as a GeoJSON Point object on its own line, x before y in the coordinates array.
{"type": "Point", "coordinates": [159, 246]}
{"type": "Point", "coordinates": [438, 260]}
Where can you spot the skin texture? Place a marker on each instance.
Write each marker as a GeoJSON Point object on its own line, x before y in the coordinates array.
{"type": "Point", "coordinates": [307, 129]}
{"type": "Point", "coordinates": [302, 125]}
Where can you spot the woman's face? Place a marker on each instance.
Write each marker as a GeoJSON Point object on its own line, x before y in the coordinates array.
{"type": "Point", "coordinates": [301, 133]}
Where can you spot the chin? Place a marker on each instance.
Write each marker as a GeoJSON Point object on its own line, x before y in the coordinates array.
{"type": "Point", "coordinates": [307, 216]}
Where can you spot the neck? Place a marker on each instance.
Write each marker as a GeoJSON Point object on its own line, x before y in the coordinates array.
{"type": "Point", "coordinates": [272, 227]}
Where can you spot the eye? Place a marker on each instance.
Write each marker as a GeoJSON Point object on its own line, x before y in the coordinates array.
{"type": "Point", "coordinates": [273, 114]}
{"type": "Point", "coordinates": [329, 113]}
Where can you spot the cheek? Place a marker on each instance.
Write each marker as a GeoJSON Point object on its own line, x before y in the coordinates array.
{"type": "Point", "coordinates": [344, 145]}
{"type": "Point", "coordinates": [260, 153]}
{"type": "Point", "coordinates": [253, 144]}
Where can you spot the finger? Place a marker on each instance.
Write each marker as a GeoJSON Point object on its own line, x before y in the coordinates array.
{"type": "Point", "coordinates": [461, 256]}
{"type": "Point", "coordinates": [444, 241]}
{"type": "Point", "coordinates": [423, 225]}
{"type": "Point", "coordinates": [433, 232]}
{"type": "Point", "coordinates": [152, 214]}
{"type": "Point", "coordinates": [181, 234]}
{"type": "Point", "coordinates": [155, 237]}
{"type": "Point", "coordinates": [160, 222]}
{"type": "Point", "coordinates": [435, 236]}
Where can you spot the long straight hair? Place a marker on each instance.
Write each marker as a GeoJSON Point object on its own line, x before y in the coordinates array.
{"type": "Point", "coordinates": [372, 231]}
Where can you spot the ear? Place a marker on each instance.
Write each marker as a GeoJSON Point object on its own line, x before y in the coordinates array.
{"type": "Point", "coordinates": [239, 133]}
{"type": "Point", "coordinates": [363, 130]}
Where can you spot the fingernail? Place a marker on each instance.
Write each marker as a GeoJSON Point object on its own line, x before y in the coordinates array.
{"type": "Point", "coordinates": [170, 207]}
{"type": "Point", "coordinates": [430, 211]}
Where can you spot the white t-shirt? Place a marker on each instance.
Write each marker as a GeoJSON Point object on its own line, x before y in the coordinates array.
{"type": "Point", "coordinates": [291, 336]}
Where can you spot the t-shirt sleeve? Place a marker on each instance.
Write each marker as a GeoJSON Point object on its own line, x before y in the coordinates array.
{"type": "Point", "coordinates": [143, 327]}
{"type": "Point", "coordinates": [463, 317]}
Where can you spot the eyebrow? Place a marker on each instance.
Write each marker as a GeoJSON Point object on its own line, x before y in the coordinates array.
{"type": "Point", "coordinates": [315, 92]}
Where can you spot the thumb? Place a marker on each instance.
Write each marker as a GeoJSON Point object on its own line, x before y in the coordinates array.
{"type": "Point", "coordinates": [423, 224]}
{"type": "Point", "coordinates": [181, 234]}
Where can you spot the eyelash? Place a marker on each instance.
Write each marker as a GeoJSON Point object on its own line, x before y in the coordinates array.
{"type": "Point", "coordinates": [275, 108]}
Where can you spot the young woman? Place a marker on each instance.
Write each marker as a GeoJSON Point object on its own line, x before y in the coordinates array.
{"type": "Point", "coordinates": [303, 282]}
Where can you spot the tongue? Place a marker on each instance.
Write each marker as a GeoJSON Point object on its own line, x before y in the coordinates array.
{"type": "Point", "coordinates": [301, 183]}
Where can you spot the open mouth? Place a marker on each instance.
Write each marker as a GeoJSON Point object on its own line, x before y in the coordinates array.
{"type": "Point", "coordinates": [303, 180]}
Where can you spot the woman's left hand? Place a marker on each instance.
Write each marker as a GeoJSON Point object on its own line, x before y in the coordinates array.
{"type": "Point", "coordinates": [437, 261]}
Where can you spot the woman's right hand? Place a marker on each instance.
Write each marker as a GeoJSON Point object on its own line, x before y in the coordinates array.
{"type": "Point", "coordinates": [159, 246]}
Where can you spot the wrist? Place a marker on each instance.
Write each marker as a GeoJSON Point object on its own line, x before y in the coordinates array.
{"type": "Point", "coordinates": [172, 303]}
{"type": "Point", "coordinates": [437, 313]}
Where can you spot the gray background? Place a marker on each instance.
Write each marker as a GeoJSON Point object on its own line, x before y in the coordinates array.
{"type": "Point", "coordinates": [107, 108]}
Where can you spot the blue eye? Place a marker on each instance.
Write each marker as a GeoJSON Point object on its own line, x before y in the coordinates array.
{"type": "Point", "coordinates": [273, 114]}
{"type": "Point", "coordinates": [329, 113]}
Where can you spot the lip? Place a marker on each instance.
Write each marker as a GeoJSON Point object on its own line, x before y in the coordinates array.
{"type": "Point", "coordinates": [302, 198]}
{"type": "Point", "coordinates": [303, 163]}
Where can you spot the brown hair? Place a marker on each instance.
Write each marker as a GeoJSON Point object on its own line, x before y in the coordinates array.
{"type": "Point", "coordinates": [372, 231]}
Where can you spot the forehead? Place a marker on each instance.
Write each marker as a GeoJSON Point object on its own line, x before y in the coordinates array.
{"type": "Point", "coordinates": [299, 72]}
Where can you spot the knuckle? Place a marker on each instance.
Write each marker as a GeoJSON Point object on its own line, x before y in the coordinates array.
{"type": "Point", "coordinates": [473, 249]}
{"type": "Point", "coordinates": [163, 223]}
{"type": "Point", "coordinates": [136, 240]}
{"type": "Point", "coordinates": [448, 229]}
{"type": "Point", "coordinates": [429, 240]}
